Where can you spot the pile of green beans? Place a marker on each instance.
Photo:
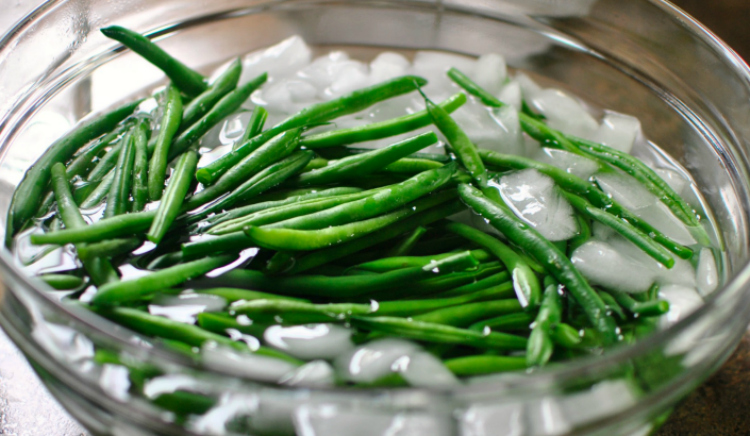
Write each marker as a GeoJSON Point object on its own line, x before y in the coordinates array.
{"type": "Point", "coordinates": [282, 229]}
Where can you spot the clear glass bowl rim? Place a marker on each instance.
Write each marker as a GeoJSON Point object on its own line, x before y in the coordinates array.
{"type": "Point", "coordinates": [577, 368]}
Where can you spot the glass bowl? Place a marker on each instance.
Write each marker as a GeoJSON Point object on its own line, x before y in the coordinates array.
{"type": "Point", "coordinates": [641, 57]}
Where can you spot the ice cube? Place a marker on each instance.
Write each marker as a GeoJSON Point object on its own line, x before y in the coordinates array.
{"type": "Point", "coordinates": [683, 300]}
{"type": "Point", "coordinates": [510, 136]}
{"type": "Point", "coordinates": [280, 60]}
{"type": "Point", "coordinates": [373, 360]}
{"type": "Point", "coordinates": [388, 65]}
{"type": "Point", "coordinates": [570, 162]}
{"type": "Point", "coordinates": [707, 275]}
{"type": "Point", "coordinates": [563, 112]}
{"type": "Point", "coordinates": [490, 72]}
{"type": "Point", "coordinates": [533, 197]}
{"type": "Point", "coordinates": [617, 131]}
{"type": "Point", "coordinates": [313, 341]}
{"type": "Point", "coordinates": [422, 369]}
{"type": "Point", "coordinates": [674, 179]}
{"type": "Point", "coordinates": [511, 94]}
{"type": "Point", "coordinates": [625, 190]}
{"type": "Point", "coordinates": [603, 265]}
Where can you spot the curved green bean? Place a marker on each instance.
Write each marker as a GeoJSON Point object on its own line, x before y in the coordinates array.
{"type": "Point", "coordinates": [62, 281]}
{"type": "Point", "coordinates": [118, 226]}
{"type": "Point", "coordinates": [188, 80]}
{"type": "Point", "coordinates": [525, 282]}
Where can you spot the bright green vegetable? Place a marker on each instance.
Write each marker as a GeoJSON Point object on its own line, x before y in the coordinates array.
{"type": "Point", "coordinates": [170, 122]}
{"type": "Point", "coordinates": [200, 105]}
{"type": "Point", "coordinates": [174, 196]}
{"type": "Point", "coordinates": [188, 80]}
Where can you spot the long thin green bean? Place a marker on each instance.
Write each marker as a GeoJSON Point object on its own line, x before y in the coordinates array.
{"type": "Point", "coordinates": [383, 129]}
{"type": "Point", "coordinates": [140, 171]}
{"type": "Point", "coordinates": [119, 193]}
{"type": "Point", "coordinates": [170, 206]}
{"type": "Point", "coordinates": [132, 290]}
{"type": "Point", "coordinates": [203, 103]}
{"type": "Point", "coordinates": [30, 191]}
{"type": "Point", "coordinates": [317, 113]}
{"type": "Point", "coordinates": [170, 122]}
{"type": "Point", "coordinates": [188, 80]}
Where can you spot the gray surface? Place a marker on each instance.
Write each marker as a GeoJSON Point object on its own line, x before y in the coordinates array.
{"type": "Point", "coordinates": [26, 408]}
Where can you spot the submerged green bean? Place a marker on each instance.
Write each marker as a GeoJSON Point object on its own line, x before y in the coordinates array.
{"type": "Point", "coordinates": [174, 196]}
{"type": "Point", "coordinates": [30, 191]}
{"type": "Point", "coordinates": [170, 122]}
{"type": "Point", "coordinates": [317, 113]}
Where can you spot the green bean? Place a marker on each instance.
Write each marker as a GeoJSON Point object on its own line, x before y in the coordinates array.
{"type": "Point", "coordinates": [235, 294]}
{"type": "Point", "coordinates": [391, 263]}
{"type": "Point", "coordinates": [383, 129]}
{"type": "Point", "coordinates": [109, 248]}
{"type": "Point", "coordinates": [99, 193]}
{"type": "Point", "coordinates": [438, 333]}
{"type": "Point", "coordinates": [513, 321]}
{"type": "Point", "coordinates": [646, 176]}
{"type": "Point", "coordinates": [100, 269]}
{"type": "Point", "coordinates": [360, 165]}
{"type": "Point", "coordinates": [171, 204]}
{"type": "Point", "coordinates": [107, 162]}
{"type": "Point", "coordinates": [221, 323]}
{"type": "Point", "coordinates": [62, 281]}
{"type": "Point", "coordinates": [285, 211]}
{"type": "Point", "coordinates": [188, 80]}
{"type": "Point", "coordinates": [595, 196]}
{"type": "Point", "coordinates": [541, 346]}
{"type": "Point", "coordinates": [382, 201]}
{"type": "Point", "coordinates": [497, 279]}
{"type": "Point", "coordinates": [566, 336]}
{"type": "Point", "coordinates": [525, 281]}
{"type": "Point", "coordinates": [30, 191]}
{"type": "Point", "coordinates": [115, 227]}
{"type": "Point", "coordinates": [348, 104]}
{"type": "Point", "coordinates": [467, 314]}
{"type": "Point", "coordinates": [203, 103]}
{"type": "Point", "coordinates": [287, 239]}
{"type": "Point", "coordinates": [481, 365]}
{"type": "Point", "coordinates": [170, 122]}
{"type": "Point", "coordinates": [612, 305]}
{"type": "Point", "coordinates": [119, 192]}
{"type": "Point", "coordinates": [228, 243]}
{"type": "Point", "coordinates": [411, 165]}
{"type": "Point", "coordinates": [136, 289]}
{"type": "Point", "coordinates": [192, 335]}
{"type": "Point", "coordinates": [337, 287]}
{"type": "Point", "coordinates": [646, 308]}
{"type": "Point", "coordinates": [403, 248]}
{"type": "Point", "coordinates": [624, 228]}
{"type": "Point", "coordinates": [254, 125]}
{"type": "Point", "coordinates": [277, 148]}
{"type": "Point", "coordinates": [223, 108]}
{"type": "Point", "coordinates": [445, 283]}
{"type": "Point", "coordinates": [324, 256]}
{"type": "Point", "coordinates": [264, 180]}
{"type": "Point", "coordinates": [631, 165]}
{"type": "Point", "coordinates": [83, 161]}
{"type": "Point", "coordinates": [460, 143]}
{"type": "Point", "coordinates": [140, 171]}
{"type": "Point", "coordinates": [583, 236]}
{"type": "Point", "coordinates": [405, 308]}
{"type": "Point", "coordinates": [541, 250]}
{"type": "Point", "coordinates": [286, 308]}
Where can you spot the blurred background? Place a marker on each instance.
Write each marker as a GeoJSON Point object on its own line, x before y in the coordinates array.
{"type": "Point", "coordinates": [726, 18]}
